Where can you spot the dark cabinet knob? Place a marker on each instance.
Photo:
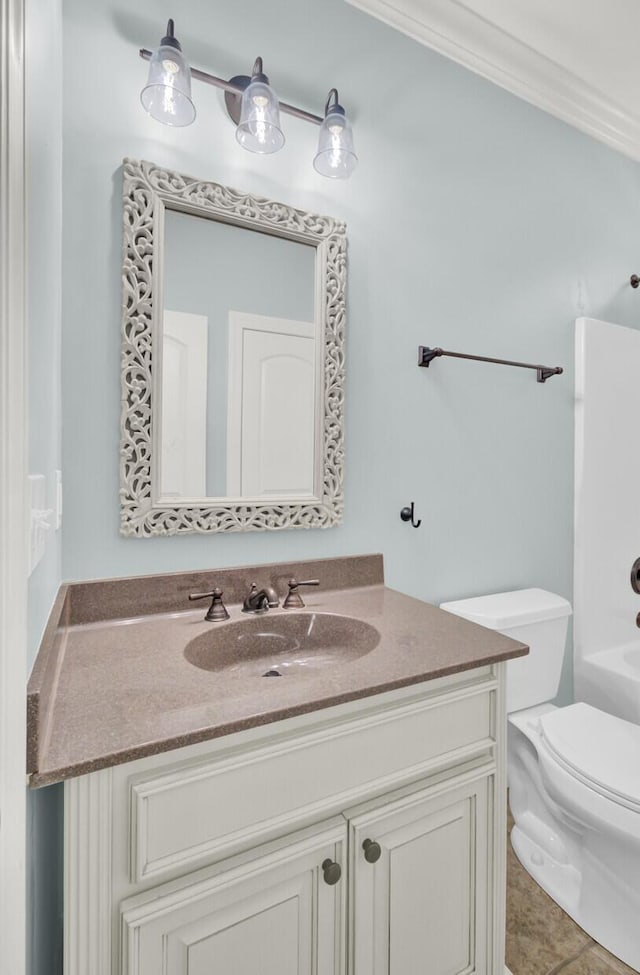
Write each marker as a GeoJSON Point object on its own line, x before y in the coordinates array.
{"type": "Point", "coordinates": [332, 872]}
{"type": "Point", "coordinates": [372, 851]}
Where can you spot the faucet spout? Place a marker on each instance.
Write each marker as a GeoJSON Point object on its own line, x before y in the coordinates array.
{"type": "Point", "coordinates": [259, 600]}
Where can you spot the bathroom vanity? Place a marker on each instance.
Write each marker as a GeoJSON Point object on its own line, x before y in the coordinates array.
{"type": "Point", "coordinates": [346, 817]}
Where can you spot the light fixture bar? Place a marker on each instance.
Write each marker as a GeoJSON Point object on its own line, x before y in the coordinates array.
{"type": "Point", "coordinates": [211, 79]}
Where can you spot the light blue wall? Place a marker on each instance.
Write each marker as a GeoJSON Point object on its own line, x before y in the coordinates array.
{"type": "Point", "coordinates": [211, 268]}
{"type": "Point", "coordinates": [475, 222]}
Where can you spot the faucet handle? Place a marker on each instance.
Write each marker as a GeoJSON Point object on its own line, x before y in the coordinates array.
{"type": "Point", "coordinates": [293, 598]}
{"type": "Point", "coordinates": [217, 610]}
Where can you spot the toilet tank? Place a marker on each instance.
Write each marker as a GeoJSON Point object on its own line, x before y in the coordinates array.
{"type": "Point", "coordinates": [532, 616]}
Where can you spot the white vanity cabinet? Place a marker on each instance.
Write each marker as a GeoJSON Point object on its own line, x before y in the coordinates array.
{"type": "Point", "coordinates": [364, 839]}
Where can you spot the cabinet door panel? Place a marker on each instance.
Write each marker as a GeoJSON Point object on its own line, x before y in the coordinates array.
{"type": "Point", "coordinates": [266, 913]}
{"type": "Point", "coordinates": [270, 934]}
{"type": "Point", "coordinates": [421, 908]}
{"type": "Point", "coordinates": [430, 892]}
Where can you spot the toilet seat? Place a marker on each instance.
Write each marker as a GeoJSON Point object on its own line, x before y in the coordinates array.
{"type": "Point", "coordinates": [599, 749]}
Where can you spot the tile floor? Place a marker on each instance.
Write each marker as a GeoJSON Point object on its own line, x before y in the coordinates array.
{"type": "Point", "coordinates": [542, 939]}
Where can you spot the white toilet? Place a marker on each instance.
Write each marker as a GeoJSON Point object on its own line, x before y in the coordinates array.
{"type": "Point", "coordinates": [574, 777]}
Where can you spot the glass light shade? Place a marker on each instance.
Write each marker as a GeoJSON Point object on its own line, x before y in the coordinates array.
{"type": "Point", "coordinates": [259, 126]}
{"type": "Point", "coordinates": [335, 157]}
{"type": "Point", "coordinates": [167, 94]}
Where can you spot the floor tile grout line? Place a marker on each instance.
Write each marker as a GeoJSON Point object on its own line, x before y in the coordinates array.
{"type": "Point", "coordinates": [568, 961]}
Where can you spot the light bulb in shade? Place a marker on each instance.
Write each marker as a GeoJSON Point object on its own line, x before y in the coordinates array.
{"type": "Point", "coordinates": [259, 126]}
{"type": "Point", "coordinates": [336, 157]}
{"type": "Point", "coordinates": [167, 93]}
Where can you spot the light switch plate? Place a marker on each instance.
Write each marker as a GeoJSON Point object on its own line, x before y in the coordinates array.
{"type": "Point", "coordinates": [39, 525]}
{"type": "Point", "coordinates": [58, 500]}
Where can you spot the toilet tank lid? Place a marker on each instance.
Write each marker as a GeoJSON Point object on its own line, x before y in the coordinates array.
{"type": "Point", "coordinates": [504, 610]}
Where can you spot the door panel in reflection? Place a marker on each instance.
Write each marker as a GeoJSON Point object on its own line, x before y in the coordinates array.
{"type": "Point", "coordinates": [241, 386]}
{"type": "Point", "coordinates": [271, 441]}
{"type": "Point", "coordinates": [184, 405]}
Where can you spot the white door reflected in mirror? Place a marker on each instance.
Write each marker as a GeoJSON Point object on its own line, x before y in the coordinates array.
{"type": "Point", "coordinates": [271, 435]}
{"type": "Point", "coordinates": [270, 428]}
{"type": "Point", "coordinates": [239, 403]}
{"type": "Point", "coordinates": [184, 405]}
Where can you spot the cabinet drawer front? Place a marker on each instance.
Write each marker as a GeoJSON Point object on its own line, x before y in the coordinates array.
{"type": "Point", "coordinates": [193, 814]}
{"type": "Point", "coordinates": [270, 912]}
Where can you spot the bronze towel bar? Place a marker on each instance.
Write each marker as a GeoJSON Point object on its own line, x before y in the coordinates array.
{"type": "Point", "coordinates": [426, 355]}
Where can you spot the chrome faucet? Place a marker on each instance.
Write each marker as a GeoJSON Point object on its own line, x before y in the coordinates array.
{"type": "Point", "coordinates": [259, 600]}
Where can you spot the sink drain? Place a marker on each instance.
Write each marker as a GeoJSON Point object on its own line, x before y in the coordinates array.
{"type": "Point", "coordinates": [272, 673]}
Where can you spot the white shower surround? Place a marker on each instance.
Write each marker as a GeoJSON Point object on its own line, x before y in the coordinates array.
{"type": "Point", "coordinates": [607, 517]}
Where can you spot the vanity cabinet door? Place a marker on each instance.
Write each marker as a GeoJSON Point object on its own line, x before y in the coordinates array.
{"type": "Point", "coordinates": [274, 911]}
{"type": "Point", "coordinates": [419, 876]}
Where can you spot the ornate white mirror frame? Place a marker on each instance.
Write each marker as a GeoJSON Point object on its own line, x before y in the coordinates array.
{"type": "Point", "coordinates": [148, 191]}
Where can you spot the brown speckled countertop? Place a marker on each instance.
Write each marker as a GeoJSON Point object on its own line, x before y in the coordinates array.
{"type": "Point", "coordinates": [112, 683]}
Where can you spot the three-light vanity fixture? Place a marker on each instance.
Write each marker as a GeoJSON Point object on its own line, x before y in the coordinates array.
{"type": "Point", "coordinates": [252, 104]}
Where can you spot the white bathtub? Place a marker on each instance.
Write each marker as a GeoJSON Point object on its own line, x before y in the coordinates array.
{"type": "Point", "coordinates": [607, 518]}
{"type": "Point", "coordinates": [610, 680]}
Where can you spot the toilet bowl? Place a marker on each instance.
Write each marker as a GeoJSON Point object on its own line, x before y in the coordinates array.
{"type": "Point", "coordinates": [574, 777]}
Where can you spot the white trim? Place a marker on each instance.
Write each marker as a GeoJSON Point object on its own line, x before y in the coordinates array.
{"type": "Point", "coordinates": [88, 868]}
{"type": "Point", "coordinates": [182, 405]}
{"type": "Point", "coordinates": [13, 469]}
{"type": "Point", "coordinates": [485, 48]}
{"type": "Point", "coordinates": [498, 853]}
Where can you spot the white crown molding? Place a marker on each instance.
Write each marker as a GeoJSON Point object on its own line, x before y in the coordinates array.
{"type": "Point", "coordinates": [482, 46]}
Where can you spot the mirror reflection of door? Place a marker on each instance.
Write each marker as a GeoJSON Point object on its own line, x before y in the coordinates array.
{"type": "Point", "coordinates": [271, 435]}
{"type": "Point", "coordinates": [184, 405]}
{"type": "Point", "coordinates": [240, 397]}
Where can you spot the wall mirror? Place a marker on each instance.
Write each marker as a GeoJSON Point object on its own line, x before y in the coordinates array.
{"type": "Point", "coordinates": [233, 316]}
